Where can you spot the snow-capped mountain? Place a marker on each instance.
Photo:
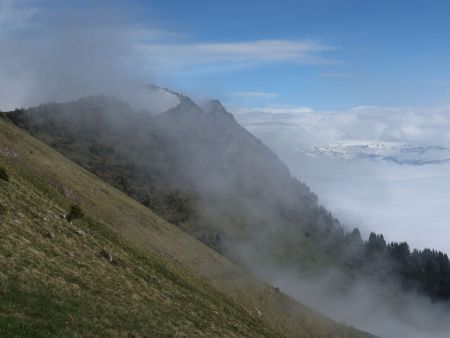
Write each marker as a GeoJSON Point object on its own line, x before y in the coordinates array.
{"type": "Point", "coordinates": [382, 151]}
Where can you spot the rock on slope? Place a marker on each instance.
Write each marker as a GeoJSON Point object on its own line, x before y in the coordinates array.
{"type": "Point", "coordinates": [120, 269]}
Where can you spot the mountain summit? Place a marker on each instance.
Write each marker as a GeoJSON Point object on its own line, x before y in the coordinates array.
{"type": "Point", "coordinates": [196, 167]}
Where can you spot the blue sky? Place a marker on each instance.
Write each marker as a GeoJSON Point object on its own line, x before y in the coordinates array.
{"type": "Point", "coordinates": [384, 52]}
{"type": "Point", "coordinates": [320, 54]}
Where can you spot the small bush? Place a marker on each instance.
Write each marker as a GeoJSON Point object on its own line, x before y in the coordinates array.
{"type": "Point", "coordinates": [3, 175]}
{"type": "Point", "coordinates": [2, 210]}
{"type": "Point", "coordinates": [106, 255]}
{"type": "Point", "coordinates": [75, 212]}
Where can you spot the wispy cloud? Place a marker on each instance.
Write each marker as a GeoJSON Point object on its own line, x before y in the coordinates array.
{"type": "Point", "coordinates": [248, 52]}
{"type": "Point", "coordinates": [286, 110]}
{"type": "Point", "coordinates": [255, 94]}
{"type": "Point", "coordinates": [97, 51]}
{"type": "Point", "coordinates": [15, 14]}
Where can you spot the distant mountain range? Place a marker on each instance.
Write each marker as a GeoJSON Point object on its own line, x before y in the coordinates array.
{"type": "Point", "coordinates": [404, 154]}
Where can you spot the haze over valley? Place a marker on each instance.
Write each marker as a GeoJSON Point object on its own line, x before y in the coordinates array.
{"type": "Point", "coordinates": [382, 169]}
{"type": "Point", "coordinates": [224, 169]}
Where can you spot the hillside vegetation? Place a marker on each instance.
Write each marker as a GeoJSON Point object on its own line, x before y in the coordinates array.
{"type": "Point", "coordinates": [116, 268]}
{"type": "Point", "coordinates": [199, 169]}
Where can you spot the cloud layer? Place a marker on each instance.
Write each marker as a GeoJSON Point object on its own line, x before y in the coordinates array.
{"type": "Point", "coordinates": [308, 127]}
{"type": "Point", "coordinates": [402, 202]}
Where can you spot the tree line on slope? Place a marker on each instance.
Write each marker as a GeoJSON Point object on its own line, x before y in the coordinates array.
{"type": "Point", "coordinates": [145, 179]}
{"type": "Point", "coordinates": [426, 271]}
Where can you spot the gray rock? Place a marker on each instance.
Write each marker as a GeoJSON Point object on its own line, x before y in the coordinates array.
{"type": "Point", "coordinates": [106, 255]}
{"type": "Point", "coordinates": [50, 235]}
{"type": "Point", "coordinates": [80, 232]}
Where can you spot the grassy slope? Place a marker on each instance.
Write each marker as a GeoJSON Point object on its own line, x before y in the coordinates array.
{"type": "Point", "coordinates": [55, 282]}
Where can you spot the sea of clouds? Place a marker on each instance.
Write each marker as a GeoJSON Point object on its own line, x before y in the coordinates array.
{"type": "Point", "coordinates": [404, 202]}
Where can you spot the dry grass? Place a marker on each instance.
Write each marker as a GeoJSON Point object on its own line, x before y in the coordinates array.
{"type": "Point", "coordinates": [55, 281]}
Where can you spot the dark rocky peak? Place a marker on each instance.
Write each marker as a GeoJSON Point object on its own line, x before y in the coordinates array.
{"type": "Point", "coordinates": [216, 109]}
{"type": "Point", "coordinates": [215, 106]}
{"type": "Point", "coordinates": [184, 110]}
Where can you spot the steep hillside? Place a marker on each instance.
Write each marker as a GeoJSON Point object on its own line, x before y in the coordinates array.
{"type": "Point", "coordinates": [199, 169]}
{"type": "Point", "coordinates": [119, 269]}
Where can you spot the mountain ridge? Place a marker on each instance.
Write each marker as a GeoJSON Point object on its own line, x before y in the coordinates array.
{"type": "Point", "coordinates": [213, 179]}
{"type": "Point", "coordinates": [48, 183]}
{"type": "Point", "coordinates": [399, 153]}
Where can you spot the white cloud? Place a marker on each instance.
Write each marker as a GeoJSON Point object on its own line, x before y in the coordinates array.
{"type": "Point", "coordinates": [248, 52]}
{"type": "Point", "coordinates": [402, 202]}
{"type": "Point", "coordinates": [421, 125]}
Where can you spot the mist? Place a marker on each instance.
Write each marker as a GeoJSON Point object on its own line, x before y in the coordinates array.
{"type": "Point", "coordinates": [364, 304]}
{"type": "Point", "coordinates": [404, 202]}
{"type": "Point", "coordinates": [385, 310]}
{"type": "Point", "coordinates": [66, 53]}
